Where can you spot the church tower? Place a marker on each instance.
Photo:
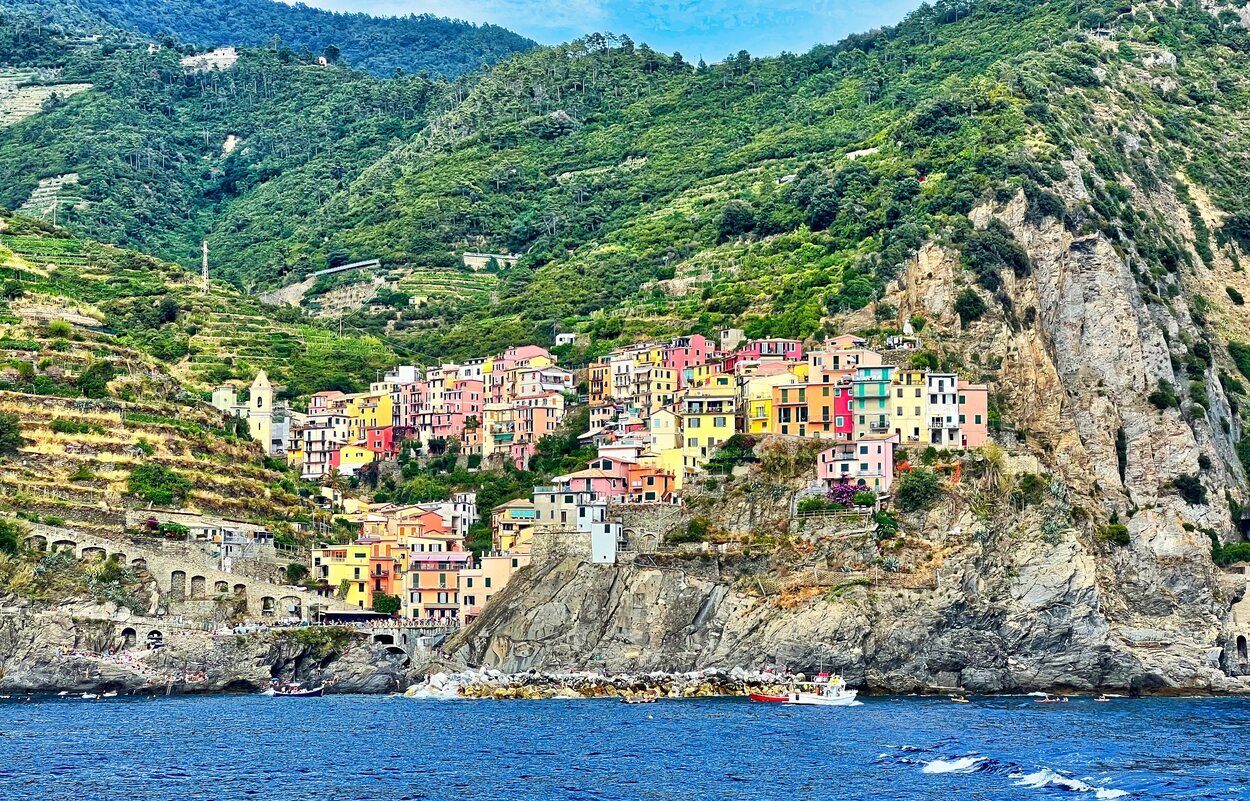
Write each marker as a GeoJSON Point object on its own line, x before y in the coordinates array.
{"type": "Point", "coordinates": [260, 411]}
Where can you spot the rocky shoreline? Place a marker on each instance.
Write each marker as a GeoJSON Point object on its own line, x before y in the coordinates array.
{"type": "Point", "coordinates": [533, 685]}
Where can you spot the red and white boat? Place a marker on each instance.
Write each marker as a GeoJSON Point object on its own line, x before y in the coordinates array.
{"type": "Point", "coordinates": [825, 691]}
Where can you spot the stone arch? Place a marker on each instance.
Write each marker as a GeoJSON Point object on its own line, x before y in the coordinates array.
{"type": "Point", "coordinates": [139, 562]}
{"type": "Point", "coordinates": [1241, 646]}
{"type": "Point", "coordinates": [239, 589]}
{"type": "Point", "coordinates": [221, 587]}
{"type": "Point", "coordinates": [37, 542]}
{"type": "Point", "coordinates": [178, 585]}
{"type": "Point", "coordinates": [64, 545]}
{"type": "Point", "coordinates": [155, 637]}
{"type": "Point", "coordinates": [129, 637]}
{"type": "Point", "coordinates": [267, 605]}
{"type": "Point", "coordinates": [395, 649]}
{"type": "Point", "coordinates": [384, 639]}
{"type": "Point", "coordinates": [120, 557]}
{"type": "Point", "coordinates": [290, 605]}
{"type": "Point", "coordinates": [199, 586]}
{"type": "Point", "coordinates": [94, 552]}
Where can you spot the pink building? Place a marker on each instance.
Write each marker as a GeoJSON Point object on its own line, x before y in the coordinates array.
{"type": "Point", "coordinates": [534, 418]}
{"type": "Point", "coordinates": [974, 404]}
{"type": "Point", "coordinates": [600, 482]}
{"type": "Point", "coordinates": [684, 353]}
{"type": "Point", "coordinates": [843, 420]}
{"type": "Point", "coordinates": [866, 463]}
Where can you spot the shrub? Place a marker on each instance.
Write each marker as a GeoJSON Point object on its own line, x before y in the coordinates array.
{"type": "Point", "coordinates": [1030, 489]}
{"type": "Point", "coordinates": [59, 328]}
{"type": "Point", "coordinates": [887, 526]}
{"type": "Point", "coordinates": [1164, 396]}
{"type": "Point", "coordinates": [1114, 533]}
{"type": "Point", "coordinates": [10, 536]}
{"type": "Point", "coordinates": [1190, 488]}
{"type": "Point", "coordinates": [10, 433]}
{"type": "Point", "coordinates": [969, 307]}
{"type": "Point", "coordinates": [62, 426]}
{"type": "Point", "coordinates": [1235, 296]}
{"type": "Point", "coordinates": [695, 531]}
{"type": "Point", "coordinates": [93, 382]}
{"type": "Point", "coordinates": [386, 604]}
{"type": "Point", "coordinates": [296, 572]}
{"type": "Point", "coordinates": [812, 505]}
{"type": "Point", "coordinates": [865, 498]}
{"type": "Point", "coordinates": [917, 490]}
{"type": "Point", "coordinates": [158, 484]}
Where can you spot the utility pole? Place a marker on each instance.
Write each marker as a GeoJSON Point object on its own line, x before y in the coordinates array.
{"type": "Point", "coordinates": [204, 265]}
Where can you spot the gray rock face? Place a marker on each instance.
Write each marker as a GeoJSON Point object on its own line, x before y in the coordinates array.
{"type": "Point", "coordinates": [43, 651]}
{"type": "Point", "coordinates": [1025, 603]}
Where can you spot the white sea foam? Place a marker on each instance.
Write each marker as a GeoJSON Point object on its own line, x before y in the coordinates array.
{"type": "Point", "coordinates": [961, 765]}
{"type": "Point", "coordinates": [1045, 777]}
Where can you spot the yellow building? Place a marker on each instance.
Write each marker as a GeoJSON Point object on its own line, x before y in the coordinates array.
{"type": "Point", "coordinates": [367, 410]}
{"type": "Point", "coordinates": [352, 458]}
{"type": "Point", "coordinates": [910, 407]}
{"type": "Point", "coordinates": [707, 419]}
{"type": "Point", "coordinates": [512, 526]}
{"type": "Point", "coordinates": [664, 449]}
{"type": "Point", "coordinates": [345, 568]}
{"type": "Point", "coordinates": [757, 395]}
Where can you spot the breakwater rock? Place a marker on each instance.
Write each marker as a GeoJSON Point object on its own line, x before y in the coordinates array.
{"type": "Point", "coordinates": [534, 685]}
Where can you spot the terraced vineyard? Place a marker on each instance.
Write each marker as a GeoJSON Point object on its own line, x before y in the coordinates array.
{"type": "Point", "coordinates": [432, 284]}
{"type": "Point", "coordinates": [20, 98]}
{"type": "Point", "coordinates": [161, 310]}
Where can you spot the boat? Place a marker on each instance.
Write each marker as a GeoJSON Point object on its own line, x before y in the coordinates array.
{"type": "Point", "coordinates": [822, 692]}
{"type": "Point", "coordinates": [959, 699]}
{"type": "Point", "coordinates": [297, 692]}
{"type": "Point", "coordinates": [110, 694]}
{"type": "Point", "coordinates": [90, 696]}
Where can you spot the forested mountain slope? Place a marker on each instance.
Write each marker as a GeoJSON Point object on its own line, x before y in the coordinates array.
{"type": "Point", "coordinates": [381, 45]}
{"type": "Point", "coordinates": [777, 191]}
{"type": "Point", "coordinates": [159, 151]}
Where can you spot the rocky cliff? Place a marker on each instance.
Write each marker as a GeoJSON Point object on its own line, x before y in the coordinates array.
{"type": "Point", "coordinates": [97, 648]}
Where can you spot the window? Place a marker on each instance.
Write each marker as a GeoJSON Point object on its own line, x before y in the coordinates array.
{"type": "Point", "coordinates": [468, 582]}
{"type": "Point", "coordinates": [488, 582]}
{"type": "Point", "coordinates": [962, 400]}
{"type": "Point", "coordinates": [976, 418]}
{"type": "Point", "coordinates": [718, 422]}
{"type": "Point", "coordinates": [837, 421]}
{"type": "Point", "coordinates": [693, 422]}
{"type": "Point", "coordinates": [961, 419]}
{"type": "Point", "coordinates": [863, 449]}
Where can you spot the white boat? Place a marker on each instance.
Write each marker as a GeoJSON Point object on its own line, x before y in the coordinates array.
{"type": "Point", "coordinates": [90, 696]}
{"type": "Point", "coordinates": [827, 692]}
{"type": "Point", "coordinates": [110, 694]}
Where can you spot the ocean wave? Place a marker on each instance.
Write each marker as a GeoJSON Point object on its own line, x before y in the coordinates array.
{"type": "Point", "coordinates": [967, 764]}
{"type": "Point", "coordinates": [1045, 777]}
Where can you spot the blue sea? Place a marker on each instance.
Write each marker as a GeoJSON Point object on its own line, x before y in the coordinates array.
{"type": "Point", "coordinates": [389, 749]}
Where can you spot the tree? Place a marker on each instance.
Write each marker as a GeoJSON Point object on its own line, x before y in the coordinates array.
{"type": "Point", "coordinates": [10, 536]}
{"type": "Point", "coordinates": [296, 572]}
{"type": "Point", "coordinates": [736, 218]}
{"type": "Point", "coordinates": [10, 433]}
{"type": "Point", "coordinates": [386, 604]}
{"type": "Point", "coordinates": [969, 307]}
{"type": "Point", "coordinates": [917, 490]}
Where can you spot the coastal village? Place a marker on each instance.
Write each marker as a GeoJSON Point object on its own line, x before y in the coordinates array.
{"type": "Point", "coordinates": [659, 413]}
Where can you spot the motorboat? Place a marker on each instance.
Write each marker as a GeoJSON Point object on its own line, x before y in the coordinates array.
{"type": "Point", "coordinates": [825, 691]}
{"type": "Point", "coordinates": [294, 691]}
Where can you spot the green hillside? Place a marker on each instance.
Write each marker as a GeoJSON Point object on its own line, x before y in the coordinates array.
{"type": "Point", "coordinates": [649, 195]}
{"type": "Point", "coordinates": [381, 45]}
{"type": "Point", "coordinates": [782, 190]}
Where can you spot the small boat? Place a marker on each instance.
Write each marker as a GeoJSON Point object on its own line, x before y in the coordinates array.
{"type": "Point", "coordinates": [1102, 699]}
{"type": "Point", "coordinates": [90, 696]}
{"type": "Point", "coordinates": [62, 693]}
{"type": "Point", "coordinates": [638, 699]}
{"type": "Point", "coordinates": [959, 699]}
{"type": "Point", "coordinates": [829, 692]}
{"type": "Point", "coordinates": [298, 692]}
{"type": "Point", "coordinates": [110, 694]}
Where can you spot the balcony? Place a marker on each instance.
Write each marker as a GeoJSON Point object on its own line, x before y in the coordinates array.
{"type": "Point", "coordinates": [879, 427]}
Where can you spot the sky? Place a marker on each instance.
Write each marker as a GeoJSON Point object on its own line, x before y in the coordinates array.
{"type": "Point", "coordinates": [708, 29]}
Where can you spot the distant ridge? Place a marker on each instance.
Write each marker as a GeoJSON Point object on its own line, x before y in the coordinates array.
{"type": "Point", "coordinates": [381, 45]}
